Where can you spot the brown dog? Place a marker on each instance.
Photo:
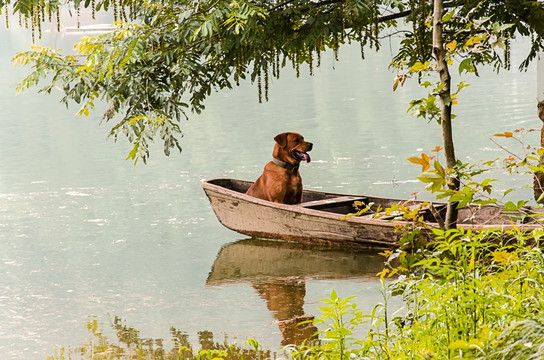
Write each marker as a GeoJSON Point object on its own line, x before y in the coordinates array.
{"type": "Point", "coordinates": [280, 181]}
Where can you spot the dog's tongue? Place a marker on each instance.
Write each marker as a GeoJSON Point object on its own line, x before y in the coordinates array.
{"type": "Point", "coordinates": [306, 157]}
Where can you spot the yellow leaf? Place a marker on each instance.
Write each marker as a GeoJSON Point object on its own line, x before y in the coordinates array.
{"type": "Point", "coordinates": [418, 66]}
{"type": "Point", "coordinates": [452, 45]}
{"type": "Point", "coordinates": [137, 118]}
{"type": "Point", "coordinates": [20, 58]}
{"type": "Point", "coordinates": [425, 158]}
{"type": "Point", "coordinates": [386, 253]}
{"type": "Point", "coordinates": [396, 83]}
{"type": "Point", "coordinates": [506, 134]}
{"type": "Point", "coordinates": [504, 257]}
{"type": "Point", "coordinates": [475, 40]}
{"type": "Point", "coordinates": [424, 161]}
{"type": "Point", "coordinates": [382, 273]}
{"type": "Point", "coordinates": [37, 48]}
{"type": "Point", "coordinates": [415, 160]}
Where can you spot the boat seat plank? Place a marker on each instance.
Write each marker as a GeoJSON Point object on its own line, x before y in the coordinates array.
{"type": "Point", "coordinates": [332, 201]}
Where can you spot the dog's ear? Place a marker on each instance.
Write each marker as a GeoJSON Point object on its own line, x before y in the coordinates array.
{"type": "Point", "coordinates": [281, 139]}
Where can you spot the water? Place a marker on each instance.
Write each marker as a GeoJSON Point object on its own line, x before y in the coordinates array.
{"type": "Point", "coordinates": [85, 233]}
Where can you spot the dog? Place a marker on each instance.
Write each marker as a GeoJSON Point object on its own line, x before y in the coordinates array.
{"type": "Point", "coordinates": [280, 181]}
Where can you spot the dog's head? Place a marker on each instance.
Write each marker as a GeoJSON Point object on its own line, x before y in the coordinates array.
{"type": "Point", "coordinates": [291, 147]}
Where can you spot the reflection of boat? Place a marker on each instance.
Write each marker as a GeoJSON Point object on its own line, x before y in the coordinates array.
{"type": "Point", "coordinates": [255, 260]}
{"type": "Point", "coordinates": [278, 272]}
{"type": "Point", "coordinates": [320, 218]}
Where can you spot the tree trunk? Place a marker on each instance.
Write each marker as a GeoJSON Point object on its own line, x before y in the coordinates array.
{"type": "Point", "coordinates": [539, 177]}
{"type": "Point", "coordinates": [445, 107]}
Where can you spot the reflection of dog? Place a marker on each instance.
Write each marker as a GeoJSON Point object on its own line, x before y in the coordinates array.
{"type": "Point", "coordinates": [280, 181]}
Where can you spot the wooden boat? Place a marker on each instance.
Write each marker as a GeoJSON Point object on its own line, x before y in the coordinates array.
{"type": "Point", "coordinates": [321, 217]}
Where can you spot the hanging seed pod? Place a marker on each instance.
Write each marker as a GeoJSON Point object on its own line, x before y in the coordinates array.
{"type": "Point", "coordinates": [273, 60]}
{"type": "Point", "coordinates": [49, 13]}
{"type": "Point", "coordinates": [376, 34]}
{"type": "Point", "coordinates": [336, 46]}
{"type": "Point", "coordinates": [311, 62]}
{"type": "Point", "coordinates": [32, 28]}
{"type": "Point", "coordinates": [39, 23]}
{"type": "Point", "coordinates": [318, 57]}
{"type": "Point", "coordinates": [297, 65]}
{"type": "Point", "coordinates": [93, 9]}
{"type": "Point", "coordinates": [58, 19]}
{"type": "Point", "coordinates": [362, 44]}
{"type": "Point", "coordinates": [266, 83]}
{"type": "Point", "coordinates": [123, 13]}
{"type": "Point", "coordinates": [260, 86]}
{"type": "Point", "coordinates": [41, 11]}
{"type": "Point", "coordinates": [25, 21]}
{"type": "Point", "coordinates": [7, 17]}
{"type": "Point", "coordinates": [236, 61]}
{"type": "Point", "coordinates": [115, 10]}
{"type": "Point", "coordinates": [78, 16]}
{"type": "Point", "coordinates": [277, 64]}
{"type": "Point", "coordinates": [507, 51]}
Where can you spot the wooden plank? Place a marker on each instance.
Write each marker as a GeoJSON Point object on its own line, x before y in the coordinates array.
{"type": "Point", "coordinates": [331, 201]}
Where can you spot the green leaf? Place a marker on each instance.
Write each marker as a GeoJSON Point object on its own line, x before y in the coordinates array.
{"type": "Point", "coordinates": [463, 197]}
{"type": "Point", "coordinates": [448, 16]}
{"type": "Point", "coordinates": [435, 180]}
{"type": "Point", "coordinates": [536, 169]}
{"type": "Point", "coordinates": [511, 206]}
{"type": "Point", "coordinates": [439, 169]}
{"type": "Point", "coordinates": [497, 27]}
{"type": "Point", "coordinates": [429, 177]}
{"type": "Point", "coordinates": [466, 66]}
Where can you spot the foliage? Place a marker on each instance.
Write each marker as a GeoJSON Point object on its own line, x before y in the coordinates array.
{"type": "Point", "coordinates": [473, 285]}
{"type": "Point", "coordinates": [523, 340]}
{"type": "Point", "coordinates": [477, 190]}
{"type": "Point", "coordinates": [175, 53]}
{"type": "Point", "coordinates": [341, 318]}
{"type": "Point", "coordinates": [477, 295]}
{"type": "Point", "coordinates": [129, 345]}
{"type": "Point", "coordinates": [166, 57]}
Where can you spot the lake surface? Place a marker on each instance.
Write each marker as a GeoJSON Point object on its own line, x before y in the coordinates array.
{"type": "Point", "coordinates": [85, 234]}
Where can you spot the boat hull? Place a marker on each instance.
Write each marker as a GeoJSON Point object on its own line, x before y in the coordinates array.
{"type": "Point", "coordinates": [321, 217]}
{"type": "Point", "coordinates": [263, 219]}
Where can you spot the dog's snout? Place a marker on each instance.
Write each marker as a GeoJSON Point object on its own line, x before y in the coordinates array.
{"type": "Point", "coordinates": [310, 146]}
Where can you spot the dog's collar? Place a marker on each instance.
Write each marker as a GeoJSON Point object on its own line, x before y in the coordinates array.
{"type": "Point", "coordinates": [285, 165]}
